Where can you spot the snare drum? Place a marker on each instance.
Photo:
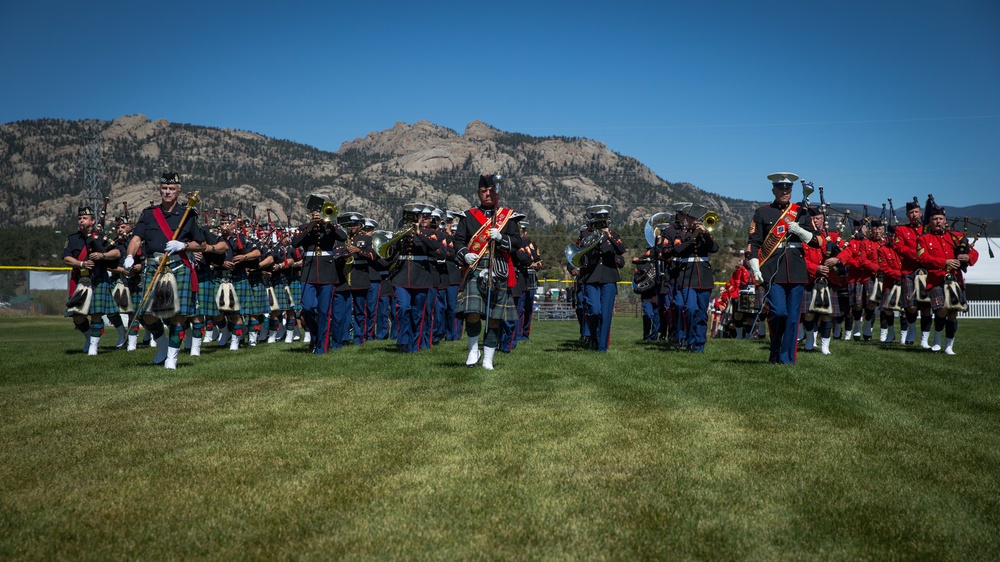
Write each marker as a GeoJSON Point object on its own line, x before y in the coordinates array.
{"type": "Point", "coordinates": [532, 279]}
{"type": "Point", "coordinates": [748, 300]}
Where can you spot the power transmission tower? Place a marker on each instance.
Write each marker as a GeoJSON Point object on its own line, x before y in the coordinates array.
{"type": "Point", "coordinates": [91, 164]}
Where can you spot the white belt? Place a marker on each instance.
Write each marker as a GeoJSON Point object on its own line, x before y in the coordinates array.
{"type": "Point", "coordinates": [691, 260]}
{"type": "Point", "coordinates": [794, 245]}
{"type": "Point", "coordinates": [414, 258]}
{"type": "Point", "coordinates": [157, 256]}
{"type": "Point", "coordinates": [320, 254]}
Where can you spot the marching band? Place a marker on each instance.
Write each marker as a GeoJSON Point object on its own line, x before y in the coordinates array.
{"type": "Point", "coordinates": [338, 280]}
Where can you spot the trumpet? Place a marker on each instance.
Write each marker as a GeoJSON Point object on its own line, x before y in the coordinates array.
{"type": "Point", "coordinates": [328, 211]}
{"type": "Point", "coordinates": [710, 220]}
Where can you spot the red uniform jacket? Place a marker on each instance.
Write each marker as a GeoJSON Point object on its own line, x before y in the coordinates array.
{"type": "Point", "coordinates": [889, 265]}
{"type": "Point", "coordinates": [904, 243]}
{"type": "Point", "coordinates": [861, 259]}
{"type": "Point", "coordinates": [935, 249]}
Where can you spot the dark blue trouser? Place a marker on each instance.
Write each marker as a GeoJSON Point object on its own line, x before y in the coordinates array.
{"type": "Point", "coordinates": [693, 307]}
{"type": "Point", "coordinates": [650, 320]}
{"type": "Point", "coordinates": [340, 313]}
{"type": "Point", "coordinates": [371, 307]}
{"type": "Point", "coordinates": [440, 312]}
{"type": "Point", "coordinates": [359, 316]}
{"type": "Point", "coordinates": [410, 310]}
{"type": "Point", "coordinates": [453, 324]}
{"type": "Point", "coordinates": [317, 305]}
{"type": "Point", "coordinates": [784, 303]}
{"type": "Point", "coordinates": [527, 309]}
{"type": "Point", "coordinates": [384, 309]}
{"type": "Point", "coordinates": [600, 309]}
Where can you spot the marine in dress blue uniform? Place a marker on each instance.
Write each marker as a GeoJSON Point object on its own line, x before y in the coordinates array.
{"type": "Point", "coordinates": [317, 240]}
{"type": "Point", "coordinates": [599, 275]}
{"type": "Point", "coordinates": [778, 264]}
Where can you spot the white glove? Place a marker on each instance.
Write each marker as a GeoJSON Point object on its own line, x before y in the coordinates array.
{"type": "Point", "coordinates": [495, 234]}
{"type": "Point", "coordinates": [804, 235]}
{"type": "Point", "coordinates": [755, 268]}
{"type": "Point", "coordinates": [174, 246]}
{"type": "Point", "coordinates": [129, 262]}
{"type": "Point", "coordinates": [471, 258]}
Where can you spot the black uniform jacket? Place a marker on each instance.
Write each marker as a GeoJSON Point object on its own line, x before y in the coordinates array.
{"type": "Point", "coordinates": [416, 255]}
{"type": "Point", "coordinates": [469, 225]}
{"type": "Point", "coordinates": [154, 239]}
{"type": "Point", "coordinates": [319, 265]}
{"type": "Point", "coordinates": [363, 273]}
{"type": "Point", "coordinates": [788, 263]}
{"type": "Point", "coordinates": [601, 264]}
{"type": "Point", "coordinates": [691, 260]}
{"type": "Point", "coordinates": [75, 243]}
{"type": "Point", "coordinates": [664, 254]}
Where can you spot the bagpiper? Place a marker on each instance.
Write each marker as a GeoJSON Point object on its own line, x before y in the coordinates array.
{"type": "Point", "coordinates": [945, 254]}
{"type": "Point", "coordinates": [486, 239]}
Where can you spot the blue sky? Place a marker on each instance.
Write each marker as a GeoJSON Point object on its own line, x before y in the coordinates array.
{"type": "Point", "coordinates": [871, 99]}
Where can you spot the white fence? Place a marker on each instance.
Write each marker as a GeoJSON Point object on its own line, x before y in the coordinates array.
{"type": "Point", "coordinates": [982, 309]}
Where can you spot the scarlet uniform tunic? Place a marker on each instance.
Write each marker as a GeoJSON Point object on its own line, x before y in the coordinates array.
{"type": "Point", "coordinates": [814, 258]}
{"type": "Point", "coordinates": [889, 264]}
{"type": "Point", "coordinates": [741, 277]}
{"type": "Point", "coordinates": [905, 245]}
{"type": "Point", "coordinates": [861, 258]}
{"type": "Point", "coordinates": [933, 250]}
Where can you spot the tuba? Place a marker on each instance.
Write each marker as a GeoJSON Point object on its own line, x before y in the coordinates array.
{"type": "Point", "coordinates": [575, 254]}
{"type": "Point", "coordinates": [651, 231]}
{"type": "Point", "coordinates": [382, 243]}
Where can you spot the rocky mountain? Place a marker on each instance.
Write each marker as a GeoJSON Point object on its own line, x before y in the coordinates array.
{"type": "Point", "coordinates": [551, 179]}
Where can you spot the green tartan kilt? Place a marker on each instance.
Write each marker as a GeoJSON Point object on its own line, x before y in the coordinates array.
{"type": "Point", "coordinates": [284, 303]}
{"type": "Point", "coordinates": [207, 287]}
{"type": "Point", "coordinates": [296, 287]}
{"type": "Point", "coordinates": [243, 292]}
{"type": "Point", "coordinates": [471, 302]}
{"type": "Point", "coordinates": [101, 302]}
{"type": "Point", "coordinates": [187, 299]}
{"type": "Point", "coordinates": [135, 289]}
{"type": "Point", "coordinates": [258, 299]}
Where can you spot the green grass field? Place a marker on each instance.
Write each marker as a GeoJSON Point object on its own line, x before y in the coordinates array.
{"type": "Point", "coordinates": [639, 453]}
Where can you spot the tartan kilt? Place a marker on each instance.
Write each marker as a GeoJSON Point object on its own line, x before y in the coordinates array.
{"type": "Point", "coordinates": [136, 289]}
{"type": "Point", "coordinates": [207, 287]}
{"type": "Point", "coordinates": [282, 296]}
{"type": "Point", "coordinates": [187, 299]}
{"type": "Point", "coordinates": [834, 301]}
{"type": "Point", "coordinates": [102, 301]}
{"type": "Point", "coordinates": [859, 292]}
{"type": "Point", "coordinates": [258, 300]}
{"type": "Point", "coordinates": [936, 294]}
{"type": "Point", "coordinates": [296, 287]}
{"type": "Point", "coordinates": [937, 297]}
{"type": "Point", "coordinates": [244, 293]}
{"type": "Point", "coordinates": [471, 302]}
{"type": "Point", "coordinates": [908, 284]}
